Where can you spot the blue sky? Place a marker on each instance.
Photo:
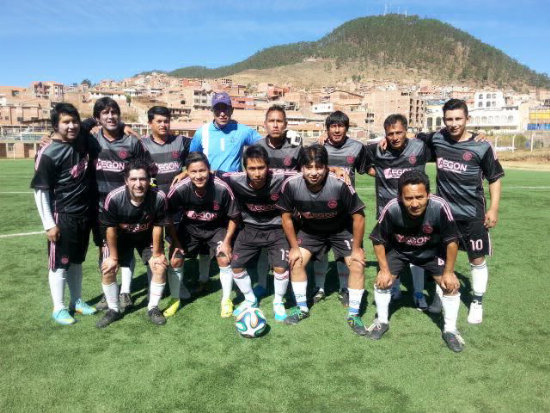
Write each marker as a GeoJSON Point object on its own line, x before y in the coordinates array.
{"type": "Point", "coordinates": [68, 41]}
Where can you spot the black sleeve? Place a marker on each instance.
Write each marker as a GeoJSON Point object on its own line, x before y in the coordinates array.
{"type": "Point", "coordinates": [232, 206]}
{"type": "Point", "coordinates": [449, 230]}
{"type": "Point", "coordinates": [174, 202]}
{"type": "Point", "coordinates": [351, 201]}
{"type": "Point", "coordinates": [109, 215]}
{"type": "Point", "coordinates": [88, 124]}
{"type": "Point", "coordinates": [285, 201]}
{"type": "Point", "coordinates": [492, 170]}
{"type": "Point", "coordinates": [161, 215]}
{"type": "Point", "coordinates": [45, 174]}
{"type": "Point", "coordinates": [380, 233]}
{"type": "Point", "coordinates": [361, 164]}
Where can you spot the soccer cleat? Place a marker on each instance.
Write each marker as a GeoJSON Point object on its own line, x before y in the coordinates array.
{"type": "Point", "coordinates": [420, 301]}
{"type": "Point", "coordinates": [356, 324]}
{"type": "Point", "coordinates": [63, 317]}
{"type": "Point", "coordinates": [296, 315]}
{"type": "Point", "coordinates": [243, 306]}
{"type": "Point", "coordinates": [82, 307]}
{"type": "Point", "coordinates": [102, 304]}
{"type": "Point", "coordinates": [279, 311]}
{"type": "Point", "coordinates": [173, 307]}
{"type": "Point", "coordinates": [454, 341]}
{"type": "Point", "coordinates": [475, 315]}
{"type": "Point", "coordinates": [259, 291]}
{"type": "Point", "coordinates": [124, 302]}
{"type": "Point", "coordinates": [436, 307]}
{"type": "Point", "coordinates": [156, 317]}
{"type": "Point", "coordinates": [396, 294]}
{"type": "Point", "coordinates": [377, 329]}
{"type": "Point", "coordinates": [343, 296]}
{"type": "Point", "coordinates": [110, 317]}
{"type": "Point", "coordinates": [227, 308]}
{"type": "Point", "coordinates": [319, 295]}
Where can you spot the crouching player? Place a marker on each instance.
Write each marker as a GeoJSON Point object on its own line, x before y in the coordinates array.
{"type": "Point", "coordinates": [134, 216]}
{"type": "Point", "coordinates": [208, 218]}
{"type": "Point", "coordinates": [332, 217]}
{"type": "Point", "coordinates": [417, 228]}
{"type": "Point", "coordinates": [257, 190]}
{"type": "Point", "coordinates": [61, 190]}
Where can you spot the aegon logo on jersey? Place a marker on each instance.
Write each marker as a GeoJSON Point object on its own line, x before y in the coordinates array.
{"type": "Point", "coordinates": [201, 216]}
{"type": "Point", "coordinates": [260, 208]}
{"type": "Point", "coordinates": [110, 166]}
{"type": "Point", "coordinates": [414, 241]}
{"type": "Point", "coordinates": [168, 167]}
{"type": "Point", "coordinates": [391, 173]}
{"type": "Point", "coordinates": [451, 166]}
{"type": "Point", "coordinates": [318, 215]}
{"type": "Point", "coordinates": [79, 168]}
{"type": "Point", "coordinates": [135, 227]}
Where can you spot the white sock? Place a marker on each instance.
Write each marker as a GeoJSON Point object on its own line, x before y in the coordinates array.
{"type": "Point", "coordinates": [242, 279]}
{"type": "Point", "coordinates": [155, 294]}
{"type": "Point", "coordinates": [417, 274]}
{"type": "Point", "coordinates": [343, 273]}
{"type": "Point", "coordinates": [126, 277]}
{"type": "Point", "coordinates": [149, 275]}
{"type": "Point", "coordinates": [263, 268]}
{"type": "Point", "coordinates": [451, 304]}
{"type": "Point", "coordinates": [480, 277]}
{"type": "Point", "coordinates": [320, 269]}
{"type": "Point", "coordinates": [355, 297]}
{"type": "Point", "coordinates": [111, 295]}
{"type": "Point", "coordinates": [57, 280]}
{"type": "Point", "coordinates": [175, 276]}
{"type": "Point", "coordinates": [300, 288]}
{"type": "Point", "coordinates": [280, 284]}
{"type": "Point", "coordinates": [226, 278]}
{"type": "Point", "coordinates": [74, 280]}
{"type": "Point", "coordinates": [382, 299]}
{"type": "Point", "coordinates": [204, 268]}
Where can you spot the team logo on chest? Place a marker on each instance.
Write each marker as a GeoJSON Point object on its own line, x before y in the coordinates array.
{"type": "Point", "coordinates": [175, 155]}
{"type": "Point", "coordinates": [64, 260]}
{"type": "Point", "coordinates": [122, 154]}
{"type": "Point", "coordinates": [467, 156]}
{"type": "Point", "coordinates": [287, 161]}
{"type": "Point", "coordinates": [350, 159]}
{"type": "Point", "coordinates": [427, 229]}
{"type": "Point", "coordinates": [215, 206]}
{"type": "Point", "coordinates": [274, 197]}
{"type": "Point", "coordinates": [412, 159]}
{"type": "Point", "coordinates": [332, 204]}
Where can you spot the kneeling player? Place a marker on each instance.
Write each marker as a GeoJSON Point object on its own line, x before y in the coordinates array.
{"type": "Point", "coordinates": [332, 217]}
{"type": "Point", "coordinates": [208, 212]}
{"type": "Point", "coordinates": [134, 215]}
{"type": "Point", "coordinates": [257, 191]}
{"type": "Point", "coordinates": [417, 228]}
{"type": "Point", "coordinates": [61, 187]}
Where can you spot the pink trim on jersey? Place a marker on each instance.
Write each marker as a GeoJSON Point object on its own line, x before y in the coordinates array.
{"type": "Point", "coordinates": [51, 261]}
{"type": "Point", "coordinates": [298, 175]}
{"type": "Point", "coordinates": [39, 155]}
{"type": "Point", "coordinates": [445, 205]}
{"type": "Point", "coordinates": [111, 195]}
{"type": "Point", "coordinates": [224, 185]}
{"type": "Point", "coordinates": [177, 185]}
{"type": "Point", "coordinates": [493, 150]}
{"type": "Point", "coordinates": [388, 205]}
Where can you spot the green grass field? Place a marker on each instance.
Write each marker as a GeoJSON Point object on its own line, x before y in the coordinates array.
{"type": "Point", "coordinates": [197, 362]}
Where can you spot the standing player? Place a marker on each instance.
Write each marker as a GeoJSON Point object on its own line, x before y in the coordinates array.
{"type": "Point", "coordinates": [417, 228]}
{"type": "Point", "coordinates": [257, 190]}
{"type": "Point", "coordinates": [61, 190]}
{"type": "Point", "coordinates": [462, 164]}
{"type": "Point", "coordinates": [387, 166]}
{"type": "Point", "coordinates": [208, 218]}
{"type": "Point", "coordinates": [332, 217]}
{"type": "Point", "coordinates": [345, 155]}
{"type": "Point", "coordinates": [168, 154]}
{"type": "Point", "coordinates": [134, 216]}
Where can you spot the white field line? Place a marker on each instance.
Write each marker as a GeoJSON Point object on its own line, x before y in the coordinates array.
{"type": "Point", "coordinates": [21, 234]}
{"type": "Point", "coordinates": [15, 192]}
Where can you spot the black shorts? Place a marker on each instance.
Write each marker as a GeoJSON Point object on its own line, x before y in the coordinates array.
{"type": "Point", "coordinates": [319, 244]}
{"type": "Point", "coordinates": [193, 243]}
{"type": "Point", "coordinates": [397, 262]}
{"type": "Point", "coordinates": [72, 245]}
{"type": "Point", "coordinates": [474, 238]}
{"type": "Point", "coordinates": [250, 242]}
{"type": "Point", "coordinates": [126, 246]}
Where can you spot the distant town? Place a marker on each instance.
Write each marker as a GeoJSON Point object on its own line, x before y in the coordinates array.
{"type": "Point", "coordinates": [25, 111]}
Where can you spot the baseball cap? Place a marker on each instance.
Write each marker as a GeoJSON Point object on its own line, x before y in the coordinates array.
{"type": "Point", "coordinates": [221, 98]}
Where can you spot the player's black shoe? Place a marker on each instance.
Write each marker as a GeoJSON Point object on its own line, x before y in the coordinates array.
{"type": "Point", "coordinates": [156, 316]}
{"type": "Point", "coordinates": [296, 315]}
{"type": "Point", "coordinates": [454, 341]}
{"type": "Point", "coordinates": [356, 324]}
{"type": "Point", "coordinates": [102, 305]}
{"type": "Point", "coordinates": [110, 317]}
{"type": "Point", "coordinates": [376, 330]}
{"type": "Point", "coordinates": [124, 302]}
{"type": "Point", "coordinates": [343, 296]}
{"type": "Point", "coordinates": [319, 295]}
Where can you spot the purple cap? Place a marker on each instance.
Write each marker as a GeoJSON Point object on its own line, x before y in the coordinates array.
{"type": "Point", "coordinates": [221, 98]}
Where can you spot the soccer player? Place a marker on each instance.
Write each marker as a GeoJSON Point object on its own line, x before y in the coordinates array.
{"type": "Point", "coordinates": [416, 228]}
{"type": "Point", "coordinates": [345, 155]}
{"type": "Point", "coordinates": [208, 211]}
{"type": "Point", "coordinates": [332, 217]}
{"type": "Point", "coordinates": [61, 186]}
{"type": "Point", "coordinates": [387, 166]}
{"type": "Point", "coordinates": [167, 153]}
{"type": "Point", "coordinates": [462, 165]}
{"type": "Point", "coordinates": [257, 191]}
{"type": "Point", "coordinates": [134, 216]}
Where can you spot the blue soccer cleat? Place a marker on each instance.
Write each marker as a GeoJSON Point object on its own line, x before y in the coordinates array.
{"type": "Point", "coordinates": [82, 307]}
{"type": "Point", "coordinates": [243, 306]}
{"type": "Point", "coordinates": [63, 317]}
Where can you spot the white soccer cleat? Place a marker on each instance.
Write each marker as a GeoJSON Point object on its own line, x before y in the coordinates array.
{"type": "Point", "coordinates": [475, 315]}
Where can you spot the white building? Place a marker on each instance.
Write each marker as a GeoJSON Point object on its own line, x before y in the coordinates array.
{"type": "Point", "coordinates": [322, 108]}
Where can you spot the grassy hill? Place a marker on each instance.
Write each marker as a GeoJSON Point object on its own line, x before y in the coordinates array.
{"type": "Point", "coordinates": [433, 49]}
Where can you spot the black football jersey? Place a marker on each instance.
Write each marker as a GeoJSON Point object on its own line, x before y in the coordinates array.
{"type": "Point", "coordinates": [351, 156]}
{"type": "Point", "coordinates": [284, 158]}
